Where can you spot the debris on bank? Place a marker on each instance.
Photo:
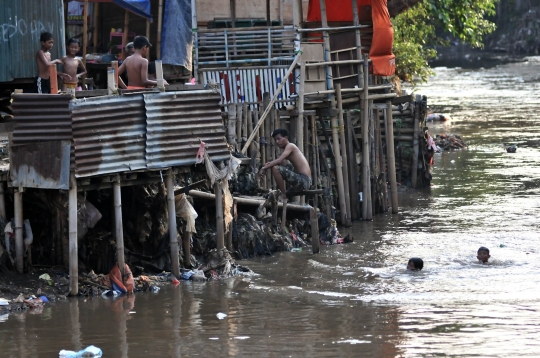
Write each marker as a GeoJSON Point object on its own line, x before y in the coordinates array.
{"type": "Point", "coordinates": [449, 142]}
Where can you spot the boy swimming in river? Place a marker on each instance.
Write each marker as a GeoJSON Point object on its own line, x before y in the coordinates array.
{"type": "Point", "coordinates": [415, 264]}
{"type": "Point", "coordinates": [72, 63]}
{"type": "Point", "coordinates": [483, 254]}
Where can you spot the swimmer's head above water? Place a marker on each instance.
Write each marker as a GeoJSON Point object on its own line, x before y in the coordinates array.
{"type": "Point", "coordinates": [483, 254]}
{"type": "Point", "coordinates": [415, 264]}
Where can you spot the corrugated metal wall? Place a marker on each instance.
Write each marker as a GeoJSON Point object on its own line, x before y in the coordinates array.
{"type": "Point", "coordinates": [115, 134]}
{"type": "Point", "coordinates": [248, 85]}
{"type": "Point", "coordinates": [177, 122]}
{"type": "Point", "coordinates": [109, 134]}
{"type": "Point", "coordinates": [21, 24]}
{"type": "Point", "coordinates": [41, 117]}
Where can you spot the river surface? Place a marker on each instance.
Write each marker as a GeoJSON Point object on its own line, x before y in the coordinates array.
{"type": "Point", "coordinates": [357, 299]}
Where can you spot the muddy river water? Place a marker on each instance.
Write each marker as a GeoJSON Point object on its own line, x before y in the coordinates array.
{"type": "Point", "coordinates": [358, 299]}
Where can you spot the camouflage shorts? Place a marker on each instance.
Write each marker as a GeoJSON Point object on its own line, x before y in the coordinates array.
{"type": "Point", "coordinates": [295, 181]}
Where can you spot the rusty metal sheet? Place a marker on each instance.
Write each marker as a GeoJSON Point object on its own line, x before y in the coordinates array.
{"type": "Point", "coordinates": [177, 122]}
{"type": "Point", "coordinates": [42, 165]}
{"type": "Point", "coordinates": [109, 134]}
{"type": "Point", "coordinates": [41, 117]}
{"type": "Point", "coordinates": [21, 24]}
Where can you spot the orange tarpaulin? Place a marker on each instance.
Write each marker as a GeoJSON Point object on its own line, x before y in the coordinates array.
{"type": "Point", "coordinates": [383, 60]}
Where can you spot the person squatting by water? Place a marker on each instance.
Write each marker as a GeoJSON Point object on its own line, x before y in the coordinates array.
{"type": "Point", "coordinates": [483, 254]}
{"type": "Point", "coordinates": [136, 66]}
{"type": "Point", "coordinates": [43, 61]}
{"type": "Point", "coordinates": [415, 264]}
{"type": "Point", "coordinates": [72, 63]}
{"type": "Point", "coordinates": [298, 178]}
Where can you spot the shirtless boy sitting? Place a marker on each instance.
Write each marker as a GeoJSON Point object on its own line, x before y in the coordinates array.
{"type": "Point", "coordinates": [43, 60]}
{"type": "Point", "coordinates": [300, 178]}
{"type": "Point", "coordinates": [136, 66]}
{"type": "Point", "coordinates": [72, 63]}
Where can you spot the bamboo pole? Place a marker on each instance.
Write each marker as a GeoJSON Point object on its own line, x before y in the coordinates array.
{"type": "Point", "coordinates": [390, 156]}
{"type": "Point", "coordinates": [382, 168]}
{"type": "Point", "coordinates": [73, 249]}
{"type": "Point", "coordinates": [247, 201]}
{"type": "Point", "coordinates": [186, 248]}
{"type": "Point", "coordinates": [314, 221]}
{"type": "Point", "coordinates": [300, 107]}
{"type": "Point", "coordinates": [220, 232]}
{"type": "Point", "coordinates": [119, 230]}
{"type": "Point", "coordinates": [414, 172]}
{"type": "Point", "coordinates": [334, 121]}
{"type": "Point", "coordinates": [353, 171]}
{"type": "Point", "coordinates": [19, 244]}
{"type": "Point", "coordinates": [233, 13]}
{"type": "Point", "coordinates": [125, 35]}
{"type": "Point", "coordinates": [229, 243]}
{"type": "Point", "coordinates": [267, 110]}
{"type": "Point", "coordinates": [373, 161]}
{"type": "Point", "coordinates": [239, 120]}
{"type": "Point", "coordinates": [159, 28]}
{"type": "Point", "coordinates": [173, 234]}
{"type": "Point", "coordinates": [85, 39]}
{"type": "Point", "coordinates": [266, 148]}
{"type": "Point", "coordinates": [95, 35]}
{"type": "Point", "coordinates": [366, 187]}
{"type": "Point", "coordinates": [344, 157]}
{"type": "Point", "coordinates": [339, 173]}
{"type": "Point", "coordinates": [262, 149]}
{"type": "Point", "coordinates": [270, 152]}
{"type": "Point", "coordinates": [315, 155]}
{"type": "Point", "coordinates": [358, 41]}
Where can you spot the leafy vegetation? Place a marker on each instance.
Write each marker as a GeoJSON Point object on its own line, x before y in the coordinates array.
{"type": "Point", "coordinates": [430, 23]}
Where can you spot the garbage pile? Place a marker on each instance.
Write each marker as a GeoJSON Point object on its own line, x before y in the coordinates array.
{"type": "Point", "coordinates": [252, 237]}
{"type": "Point", "coordinates": [22, 303]}
{"type": "Point", "coordinates": [449, 142]}
{"type": "Point", "coordinates": [329, 233]}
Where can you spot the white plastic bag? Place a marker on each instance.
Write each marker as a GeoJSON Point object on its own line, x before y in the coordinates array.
{"type": "Point", "coordinates": [185, 210]}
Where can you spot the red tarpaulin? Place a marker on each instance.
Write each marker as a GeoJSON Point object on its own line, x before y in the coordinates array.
{"type": "Point", "coordinates": [384, 63]}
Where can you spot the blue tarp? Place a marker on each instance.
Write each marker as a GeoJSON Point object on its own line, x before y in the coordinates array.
{"type": "Point", "coordinates": [139, 7]}
{"type": "Point", "coordinates": [177, 39]}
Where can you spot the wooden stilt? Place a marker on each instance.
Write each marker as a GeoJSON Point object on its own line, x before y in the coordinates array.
{"type": "Point", "coordinates": [390, 157]}
{"type": "Point", "coordinates": [229, 243]}
{"type": "Point", "coordinates": [95, 35]}
{"type": "Point", "coordinates": [173, 233]}
{"type": "Point", "coordinates": [19, 244]}
{"type": "Point", "coordinates": [414, 169]}
{"type": "Point", "coordinates": [382, 165]}
{"type": "Point", "coordinates": [344, 157]}
{"type": "Point", "coordinates": [284, 214]}
{"type": "Point", "coordinates": [339, 172]}
{"type": "Point", "coordinates": [73, 249]}
{"type": "Point", "coordinates": [315, 160]}
{"type": "Point", "coordinates": [239, 121]}
{"type": "Point", "coordinates": [186, 248]}
{"type": "Point", "coordinates": [266, 148]}
{"type": "Point", "coordinates": [220, 232]}
{"type": "Point", "coordinates": [2, 203]}
{"type": "Point", "coordinates": [314, 221]}
{"type": "Point", "coordinates": [262, 149]}
{"type": "Point", "coordinates": [353, 170]}
{"type": "Point", "coordinates": [366, 187]}
{"type": "Point", "coordinates": [118, 228]}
